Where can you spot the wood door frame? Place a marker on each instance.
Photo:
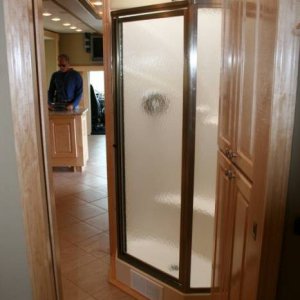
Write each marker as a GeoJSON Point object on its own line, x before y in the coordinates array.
{"type": "Point", "coordinates": [25, 60]}
{"type": "Point", "coordinates": [280, 144]}
{"type": "Point", "coordinates": [281, 128]}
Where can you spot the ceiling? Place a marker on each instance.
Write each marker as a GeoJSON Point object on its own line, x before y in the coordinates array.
{"type": "Point", "coordinates": [79, 13]}
{"type": "Point", "coordinates": [83, 14]}
{"type": "Point", "coordinates": [121, 4]}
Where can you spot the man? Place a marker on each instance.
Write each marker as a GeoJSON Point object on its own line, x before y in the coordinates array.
{"type": "Point", "coordinates": [65, 85]}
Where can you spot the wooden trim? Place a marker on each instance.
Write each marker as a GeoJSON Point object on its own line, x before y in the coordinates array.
{"type": "Point", "coordinates": [281, 131]}
{"type": "Point", "coordinates": [24, 73]}
{"type": "Point", "coordinates": [51, 35]}
{"type": "Point", "coordinates": [110, 138]}
{"type": "Point", "coordinates": [90, 8]}
{"type": "Point", "coordinates": [150, 8]}
{"type": "Point", "coordinates": [90, 68]}
{"type": "Point", "coordinates": [44, 125]}
{"type": "Point", "coordinates": [157, 15]}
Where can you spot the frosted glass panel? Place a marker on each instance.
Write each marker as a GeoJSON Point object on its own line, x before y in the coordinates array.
{"type": "Point", "coordinates": [153, 96]}
{"type": "Point", "coordinates": [208, 75]}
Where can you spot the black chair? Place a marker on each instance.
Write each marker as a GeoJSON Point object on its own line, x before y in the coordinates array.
{"type": "Point", "coordinates": [97, 112]}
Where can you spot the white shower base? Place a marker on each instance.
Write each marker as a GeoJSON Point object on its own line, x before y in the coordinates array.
{"type": "Point", "coordinates": [166, 258]}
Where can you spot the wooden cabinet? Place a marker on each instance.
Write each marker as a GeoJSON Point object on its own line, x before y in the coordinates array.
{"type": "Point", "coordinates": [238, 108]}
{"type": "Point", "coordinates": [244, 229]}
{"type": "Point", "coordinates": [234, 231]}
{"type": "Point", "coordinates": [68, 138]}
{"type": "Point", "coordinates": [224, 229]}
{"type": "Point", "coordinates": [244, 128]}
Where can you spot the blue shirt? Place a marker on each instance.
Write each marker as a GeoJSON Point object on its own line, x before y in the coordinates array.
{"type": "Point", "coordinates": [65, 87]}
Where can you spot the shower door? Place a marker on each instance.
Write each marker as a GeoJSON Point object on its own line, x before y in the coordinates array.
{"type": "Point", "coordinates": [151, 130]}
{"type": "Point", "coordinates": [155, 65]}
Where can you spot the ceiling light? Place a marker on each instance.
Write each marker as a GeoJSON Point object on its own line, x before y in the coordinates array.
{"type": "Point", "coordinates": [73, 27]}
{"type": "Point", "coordinates": [97, 3]}
{"type": "Point", "coordinates": [79, 30]}
{"type": "Point", "coordinates": [47, 14]}
{"type": "Point", "coordinates": [55, 19]}
{"type": "Point", "coordinates": [66, 24]}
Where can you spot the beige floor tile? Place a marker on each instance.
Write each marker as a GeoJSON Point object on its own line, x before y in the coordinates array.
{"type": "Point", "coordinates": [85, 245]}
{"type": "Point", "coordinates": [98, 172]}
{"type": "Point", "coordinates": [65, 220]}
{"type": "Point", "coordinates": [68, 202]}
{"type": "Point", "coordinates": [86, 211]}
{"type": "Point", "coordinates": [102, 203]}
{"type": "Point", "coordinates": [101, 189]}
{"type": "Point", "coordinates": [73, 257]}
{"type": "Point", "coordinates": [72, 292]}
{"type": "Point", "coordinates": [78, 232]}
{"type": "Point", "coordinates": [97, 182]}
{"type": "Point", "coordinates": [100, 222]}
{"type": "Point", "coordinates": [90, 195]}
{"type": "Point", "coordinates": [106, 258]}
{"type": "Point", "coordinates": [73, 188]}
{"type": "Point", "coordinates": [94, 246]}
{"type": "Point", "coordinates": [91, 277]}
{"type": "Point", "coordinates": [64, 244]}
{"type": "Point", "coordinates": [110, 292]}
{"type": "Point", "coordinates": [67, 198]}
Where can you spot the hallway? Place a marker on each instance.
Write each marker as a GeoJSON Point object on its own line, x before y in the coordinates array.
{"type": "Point", "coordinates": [82, 217]}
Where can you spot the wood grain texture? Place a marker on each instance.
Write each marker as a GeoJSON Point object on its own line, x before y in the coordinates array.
{"type": "Point", "coordinates": [241, 197]}
{"type": "Point", "coordinates": [24, 73]}
{"type": "Point", "coordinates": [281, 128]}
{"type": "Point", "coordinates": [43, 110]}
{"type": "Point", "coordinates": [110, 138]}
{"type": "Point", "coordinates": [260, 58]}
{"type": "Point", "coordinates": [68, 139]}
{"type": "Point", "coordinates": [223, 231]}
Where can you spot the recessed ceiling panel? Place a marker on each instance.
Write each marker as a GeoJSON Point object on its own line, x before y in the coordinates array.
{"type": "Point", "coordinates": [122, 4]}
{"type": "Point", "coordinates": [75, 15]}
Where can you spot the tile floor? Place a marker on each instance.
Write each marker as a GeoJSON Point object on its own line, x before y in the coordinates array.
{"type": "Point", "coordinates": [81, 202]}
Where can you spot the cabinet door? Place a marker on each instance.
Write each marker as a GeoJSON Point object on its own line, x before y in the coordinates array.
{"type": "Point", "coordinates": [63, 137]}
{"type": "Point", "coordinates": [243, 238]}
{"type": "Point", "coordinates": [229, 74]}
{"type": "Point", "coordinates": [243, 145]}
{"type": "Point", "coordinates": [238, 85]}
{"type": "Point", "coordinates": [224, 229]}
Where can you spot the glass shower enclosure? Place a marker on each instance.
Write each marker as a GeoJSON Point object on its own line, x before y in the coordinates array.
{"type": "Point", "coordinates": [167, 61]}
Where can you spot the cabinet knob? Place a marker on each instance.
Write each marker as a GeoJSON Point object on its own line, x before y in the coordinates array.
{"type": "Point", "coordinates": [226, 152]}
{"type": "Point", "coordinates": [232, 154]}
{"type": "Point", "coordinates": [230, 174]}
